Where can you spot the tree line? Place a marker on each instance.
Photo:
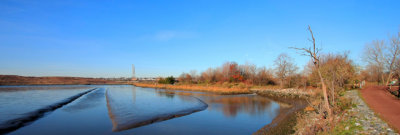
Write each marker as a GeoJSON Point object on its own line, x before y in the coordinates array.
{"type": "Point", "coordinates": [332, 73]}
{"type": "Point", "coordinates": [285, 73]}
{"type": "Point", "coordinates": [337, 69]}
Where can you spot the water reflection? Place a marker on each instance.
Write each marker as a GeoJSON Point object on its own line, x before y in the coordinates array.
{"type": "Point", "coordinates": [43, 87]}
{"type": "Point", "coordinates": [17, 101]}
{"type": "Point", "coordinates": [166, 94]}
{"type": "Point", "coordinates": [229, 105]}
{"type": "Point", "coordinates": [88, 101]}
{"type": "Point", "coordinates": [27, 118]}
{"type": "Point", "coordinates": [126, 110]}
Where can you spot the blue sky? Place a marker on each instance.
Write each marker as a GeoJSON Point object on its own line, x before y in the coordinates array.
{"type": "Point", "coordinates": [103, 38]}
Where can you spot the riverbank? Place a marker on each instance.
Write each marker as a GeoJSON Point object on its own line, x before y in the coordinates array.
{"type": "Point", "coordinates": [357, 118]}
{"type": "Point", "coordinates": [292, 100]}
{"type": "Point", "coordinates": [287, 119]}
{"type": "Point", "coordinates": [203, 88]}
{"type": "Point", "coordinates": [297, 117]}
{"type": "Point", "coordinates": [285, 122]}
{"type": "Point", "coordinates": [270, 91]}
{"type": "Point", "coordinates": [284, 93]}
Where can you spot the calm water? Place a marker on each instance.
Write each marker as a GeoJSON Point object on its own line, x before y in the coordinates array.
{"type": "Point", "coordinates": [125, 109]}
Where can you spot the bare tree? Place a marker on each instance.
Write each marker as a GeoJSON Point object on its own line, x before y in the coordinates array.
{"type": "Point", "coordinates": [208, 76]}
{"type": "Point", "coordinates": [394, 52]}
{"type": "Point", "coordinates": [185, 78]}
{"type": "Point", "coordinates": [285, 68]}
{"type": "Point", "coordinates": [313, 53]}
{"type": "Point", "coordinates": [249, 72]}
{"type": "Point", "coordinates": [193, 74]}
{"type": "Point", "coordinates": [383, 57]}
{"type": "Point", "coordinates": [397, 68]}
{"type": "Point", "coordinates": [264, 77]}
{"type": "Point", "coordinates": [374, 55]}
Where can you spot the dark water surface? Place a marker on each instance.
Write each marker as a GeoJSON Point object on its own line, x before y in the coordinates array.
{"type": "Point", "coordinates": [125, 109]}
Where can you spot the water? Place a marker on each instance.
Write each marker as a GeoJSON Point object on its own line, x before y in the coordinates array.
{"type": "Point", "coordinates": [18, 101]}
{"type": "Point", "coordinates": [125, 109]}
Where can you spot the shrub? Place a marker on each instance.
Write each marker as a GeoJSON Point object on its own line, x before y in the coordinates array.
{"type": "Point", "coordinates": [242, 85]}
{"type": "Point", "coordinates": [168, 80]}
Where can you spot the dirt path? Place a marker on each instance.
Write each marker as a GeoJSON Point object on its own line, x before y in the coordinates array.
{"type": "Point", "coordinates": [383, 103]}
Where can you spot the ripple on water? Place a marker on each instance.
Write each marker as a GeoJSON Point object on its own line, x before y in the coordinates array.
{"type": "Point", "coordinates": [127, 110]}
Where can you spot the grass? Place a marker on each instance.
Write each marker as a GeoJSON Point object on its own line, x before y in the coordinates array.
{"type": "Point", "coordinates": [347, 127]}
{"type": "Point", "coordinates": [220, 89]}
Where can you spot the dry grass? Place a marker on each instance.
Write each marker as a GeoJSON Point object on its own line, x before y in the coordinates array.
{"type": "Point", "coordinates": [26, 80]}
{"type": "Point", "coordinates": [204, 88]}
{"type": "Point", "coordinates": [312, 121]}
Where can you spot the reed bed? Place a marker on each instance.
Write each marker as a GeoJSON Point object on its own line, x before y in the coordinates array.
{"type": "Point", "coordinates": [203, 88]}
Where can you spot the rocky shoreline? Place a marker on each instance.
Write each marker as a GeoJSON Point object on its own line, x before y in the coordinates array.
{"type": "Point", "coordinates": [287, 93]}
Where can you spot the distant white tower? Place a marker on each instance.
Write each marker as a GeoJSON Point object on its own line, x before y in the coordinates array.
{"type": "Point", "coordinates": [133, 73]}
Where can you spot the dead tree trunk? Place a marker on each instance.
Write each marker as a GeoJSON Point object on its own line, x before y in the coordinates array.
{"type": "Point", "coordinates": [313, 53]}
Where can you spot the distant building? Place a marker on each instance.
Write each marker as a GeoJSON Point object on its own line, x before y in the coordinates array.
{"type": "Point", "coordinates": [133, 73]}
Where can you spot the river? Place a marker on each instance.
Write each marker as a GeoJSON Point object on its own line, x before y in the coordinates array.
{"type": "Point", "coordinates": [126, 109]}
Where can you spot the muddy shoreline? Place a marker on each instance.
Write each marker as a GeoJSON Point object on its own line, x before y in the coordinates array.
{"type": "Point", "coordinates": [286, 120]}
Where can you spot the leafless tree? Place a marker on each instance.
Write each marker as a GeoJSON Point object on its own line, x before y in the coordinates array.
{"type": "Point", "coordinates": [313, 53]}
{"type": "Point", "coordinates": [264, 76]}
{"type": "Point", "coordinates": [374, 55]}
{"type": "Point", "coordinates": [394, 52]}
{"type": "Point", "coordinates": [397, 67]}
{"type": "Point", "coordinates": [285, 68]}
{"type": "Point", "coordinates": [383, 56]}
{"type": "Point", "coordinates": [193, 74]}
{"type": "Point", "coordinates": [185, 78]}
{"type": "Point", "coordinates": [208, 76]}
{"type": "Point", "coordinates": [249, 72]}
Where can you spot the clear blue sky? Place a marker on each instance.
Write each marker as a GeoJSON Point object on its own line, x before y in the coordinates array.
{"type": "Point", "coordinates": [93, 38]}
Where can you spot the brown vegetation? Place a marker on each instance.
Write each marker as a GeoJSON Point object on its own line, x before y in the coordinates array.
{"type": "Point", "coordinates": [330, 73]}
{"type": "Point", "coordinates": [22, 80]}
{"type": "Point", "coordinates": [221, 89]}
{"type": "Point", "coordinates": [231, 72]}
{"type": "Point", "coordinates": [285, 70]}
{"type": "Point", "coordinates": [313, 53]}
{"type": "Point", "coordinates": [383, 59]}
{"type": "Point", "coordinates": [334, 73]}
